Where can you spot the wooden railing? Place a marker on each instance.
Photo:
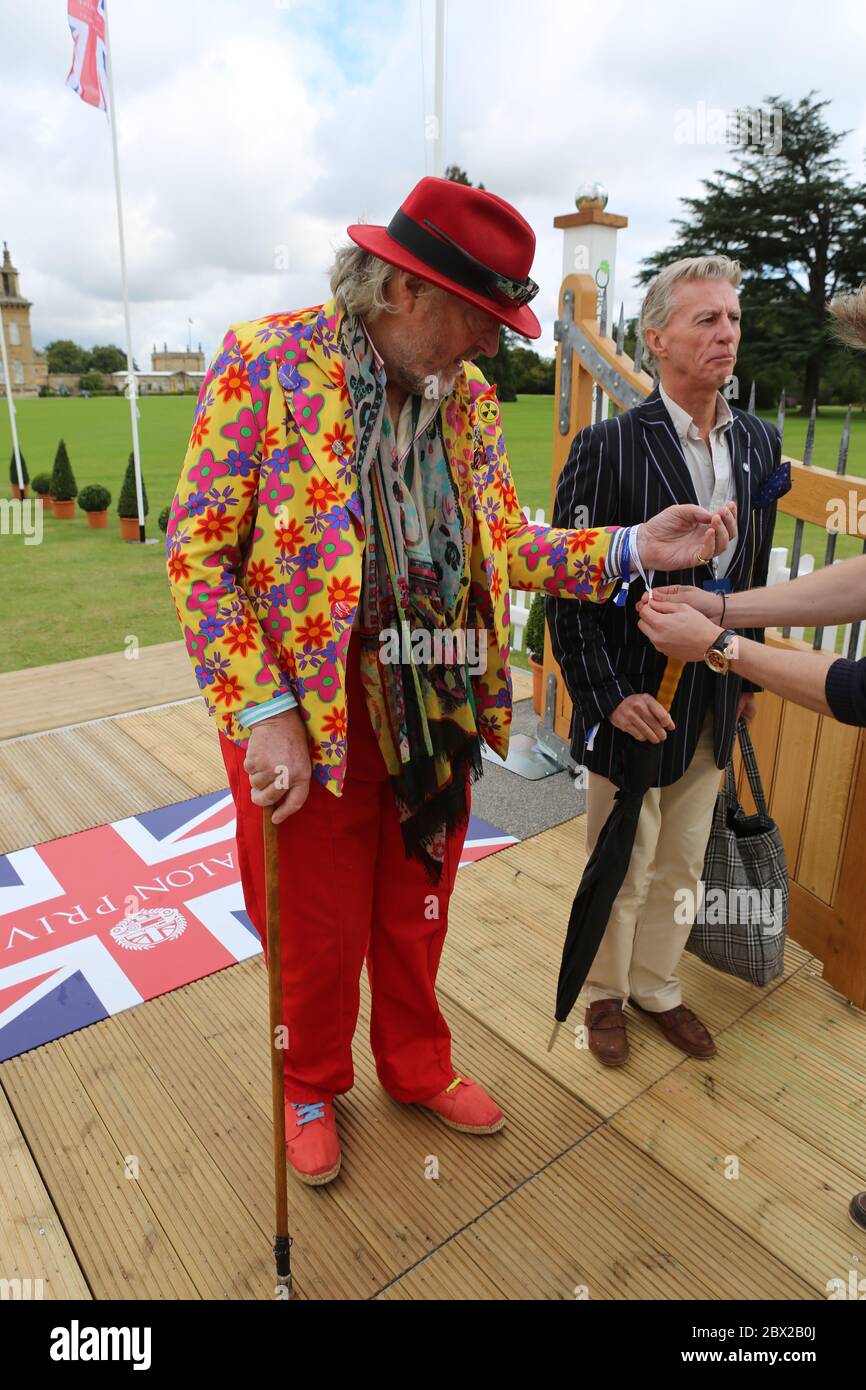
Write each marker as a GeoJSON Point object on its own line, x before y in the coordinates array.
{"type": "Point", "coordinates": [813, 768]}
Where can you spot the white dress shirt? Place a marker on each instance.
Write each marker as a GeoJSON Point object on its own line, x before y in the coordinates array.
{"type": "Point", "coordinates": [709, 463]}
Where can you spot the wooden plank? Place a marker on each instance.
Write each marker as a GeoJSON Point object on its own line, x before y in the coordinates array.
{"type": "Point", "coordinates": [810, 922]}
{"type": "Point", "coordinates": [603, 1222]}
{"type": "Point", "coordinates": [123, 1249]}
{"type": "Point", "coordinates": [780, 1191]}
{"type": "Point", "coordinates": [815, 496]}
{"type": "Point", "coordinates": [800, 1057]}
{"type": "Point", "coordinates": [34, 1247]}
{"type": "Point", "coordinates": [92, 687]}
{"type": "Point", "coordinates": [224, 1252]}
{"type": "Point", "coordinates": [794, 761]}
{"type": "Point", "coordinates": [844, 955]}
{"type": "Point", "coordinates": [826, 819]}
{"type": "Point", "coordinates": [57, 783]}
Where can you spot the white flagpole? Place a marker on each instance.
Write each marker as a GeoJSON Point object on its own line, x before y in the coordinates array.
{"type": "Point", "coordinates": [12, 423]}
{"type": "Point", "coordinates": [439, 92]}
{"type": "Point", "coordinates": [133, 406]}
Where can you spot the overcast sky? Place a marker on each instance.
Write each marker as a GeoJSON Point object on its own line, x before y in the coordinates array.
{"type": "Point", "coordinates": [252, 132]}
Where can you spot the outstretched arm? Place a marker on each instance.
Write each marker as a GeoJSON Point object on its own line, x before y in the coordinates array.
{"type": "Point", "coordinates": [835, 594]}
{"type": "Point", "coordinates": [821, 681]}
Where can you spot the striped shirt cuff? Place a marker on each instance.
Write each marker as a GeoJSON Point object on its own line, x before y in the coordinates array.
{"type": "Point", "coordinates": [613, 559]}
{"type": "Point", "coordinates": [254, 714]}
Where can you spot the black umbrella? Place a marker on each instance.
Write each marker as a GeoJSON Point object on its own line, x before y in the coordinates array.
{"type": "Point", "coordinates": [607, 865]}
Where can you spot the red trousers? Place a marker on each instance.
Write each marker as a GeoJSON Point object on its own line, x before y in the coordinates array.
{"type": "Point", "coordinates": [348, 892]}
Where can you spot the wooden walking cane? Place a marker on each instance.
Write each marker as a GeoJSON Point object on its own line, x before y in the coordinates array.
{"type": "Point", "coordinates": [282, 1239]}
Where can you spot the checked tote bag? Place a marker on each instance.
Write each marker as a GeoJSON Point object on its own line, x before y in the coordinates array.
{"type": "Point", "coordinates": [743, 913]}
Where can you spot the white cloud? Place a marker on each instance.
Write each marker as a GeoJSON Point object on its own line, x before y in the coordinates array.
{"type": "Point", "coordinates": [245, 127]}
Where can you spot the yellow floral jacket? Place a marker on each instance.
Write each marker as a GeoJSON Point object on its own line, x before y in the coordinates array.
{"type": "Point", "coordinates": [266, 533]}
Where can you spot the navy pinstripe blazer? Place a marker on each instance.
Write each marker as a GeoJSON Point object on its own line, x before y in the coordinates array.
{"type": "Point", "coordinates": [625, 470]}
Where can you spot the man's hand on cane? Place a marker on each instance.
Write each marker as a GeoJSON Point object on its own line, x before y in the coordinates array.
{"type": "Point", "coordinates": [278, 764]}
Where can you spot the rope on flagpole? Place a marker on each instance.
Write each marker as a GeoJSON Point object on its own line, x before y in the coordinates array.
{"type": "Point", "coordinates": [12, 422]}
{"type": "Point", "coordinates": [133, 405]}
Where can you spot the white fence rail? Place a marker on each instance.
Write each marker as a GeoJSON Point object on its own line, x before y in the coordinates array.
{"type": "Point", "coordinates": [779, 572]}
{"type": "Point", "coordinates": [520, 599]}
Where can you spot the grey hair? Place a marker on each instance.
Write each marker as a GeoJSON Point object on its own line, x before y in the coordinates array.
{"type": "Point", "coordinates": [849, 315]}
{"type": "Point", "coordinates": [358, 280]}
{"type": "Point", "coordinates": [658, 303]}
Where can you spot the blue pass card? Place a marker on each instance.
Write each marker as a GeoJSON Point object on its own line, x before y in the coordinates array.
{"type": "Point", "coordinates": [717, 586]}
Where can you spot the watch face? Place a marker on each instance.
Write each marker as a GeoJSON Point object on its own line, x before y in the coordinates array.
{"type": "Point", "coordinates": [716, 660]}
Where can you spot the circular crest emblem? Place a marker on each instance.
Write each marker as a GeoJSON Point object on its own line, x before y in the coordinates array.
{"type": "Point", "coordinates": [150, 927]}
{"type": "Point", "coordinates": [488, 412]}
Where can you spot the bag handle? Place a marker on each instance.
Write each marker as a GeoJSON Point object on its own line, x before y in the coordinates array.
{"type": "Point", "coordinates": [750, 763]}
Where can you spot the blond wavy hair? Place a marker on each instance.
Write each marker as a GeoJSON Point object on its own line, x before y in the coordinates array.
{"type": "Point", "coordinates": [848, 313]}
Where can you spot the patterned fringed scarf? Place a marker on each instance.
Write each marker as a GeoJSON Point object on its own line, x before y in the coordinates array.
{"type": "Point", "coordinates": [422, 713]}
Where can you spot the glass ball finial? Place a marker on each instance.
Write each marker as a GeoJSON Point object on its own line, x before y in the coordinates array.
{"type": "Point", "coordinates": [591, 194]}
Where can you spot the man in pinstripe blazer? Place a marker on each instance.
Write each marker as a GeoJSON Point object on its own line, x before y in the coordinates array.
{"type": "Point", "coordinates": [683, 444]}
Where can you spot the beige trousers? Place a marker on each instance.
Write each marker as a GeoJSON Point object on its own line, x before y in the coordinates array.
{"type": "Point", "coordinates": [643, 940]}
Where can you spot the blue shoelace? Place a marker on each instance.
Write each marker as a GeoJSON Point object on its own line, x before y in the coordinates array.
{"type": "Point", "coordinates": [306, 1113]}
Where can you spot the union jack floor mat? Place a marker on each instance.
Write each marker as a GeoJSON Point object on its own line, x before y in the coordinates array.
{"type": "Point", "coordinates": [98, 921]}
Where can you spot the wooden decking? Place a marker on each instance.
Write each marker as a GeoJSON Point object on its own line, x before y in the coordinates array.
{"type": "Point", "coordinates": [135, 1154]}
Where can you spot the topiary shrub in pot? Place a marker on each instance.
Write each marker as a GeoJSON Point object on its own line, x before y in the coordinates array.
{"type": "Point", "coordinates": [13, 474]}
{"type": "Point", "coordinates": [95, 501]}
{"type": "Point", "coordinates": [127, 504]}
{"type": "Point", "coordinates": [534, 640]}
{"type": "Point", "coordinates": [64, 488]}
{"type": "Point", "coordinates": [162, 519]}
{"type": "Point", "coordinates": [41, 485]}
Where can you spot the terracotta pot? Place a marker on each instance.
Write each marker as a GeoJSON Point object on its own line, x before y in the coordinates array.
{"type": "Point", "coordinates": [537, 669]}
{"type": "Point", "coordinates": [128, 528]}
{"type": "Point", "coordinates": [64, 510]}
{"type": "Point", "coordinates": [44, 498]}
{"type": "Point", "coordinates": [16, 491]}
{"type": "Point", "coordinates": [97, 519]}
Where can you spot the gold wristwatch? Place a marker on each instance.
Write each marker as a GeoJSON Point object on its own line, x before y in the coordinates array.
{"type": "Point", "coordinates": [722, 652]}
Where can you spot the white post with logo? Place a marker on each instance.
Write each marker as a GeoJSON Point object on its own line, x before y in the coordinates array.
{"type": "Point", "coordinates": [589, 248]}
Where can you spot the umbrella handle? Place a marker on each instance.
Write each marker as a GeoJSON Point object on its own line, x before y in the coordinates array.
{"type": "Point", "coordinates": [282, 1240]}
{"type": "Point", "coordinates": [670, 680]}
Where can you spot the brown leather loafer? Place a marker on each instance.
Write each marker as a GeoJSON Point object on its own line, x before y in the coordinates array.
{"type": "Point", "coordinates": [605, 1023]}
{"type": "Point", "coordinates": [857, 1210]}
{"type": "Point", "coordinates": [682, 1028]}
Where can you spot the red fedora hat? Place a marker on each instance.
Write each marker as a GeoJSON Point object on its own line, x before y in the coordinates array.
{"type": "Point", "coordinates": [466, 240]}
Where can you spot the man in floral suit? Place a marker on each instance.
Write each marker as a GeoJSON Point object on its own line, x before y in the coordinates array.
{"type": "Point", "coordinates": [344, 524]}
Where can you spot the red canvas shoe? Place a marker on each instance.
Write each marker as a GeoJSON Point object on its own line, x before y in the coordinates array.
{"type": "Point", "coordinates": [312, 1143]}
{"type": "Point", "coordinates": [466, 1106]}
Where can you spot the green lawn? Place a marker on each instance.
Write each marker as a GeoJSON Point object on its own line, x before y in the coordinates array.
{"type": "Point", "coordinates": [84, 592]}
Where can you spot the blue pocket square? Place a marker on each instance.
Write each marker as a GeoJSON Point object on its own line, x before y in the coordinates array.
{"type": "Point", "coordinates": [774, 486]}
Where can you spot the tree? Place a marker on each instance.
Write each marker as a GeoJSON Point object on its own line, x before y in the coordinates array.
{"type": "Point", "coordinates": [106, 359]}
{"type": "Point", "coordinates": [127, 503]}
{"type": "Point", "coordinates": [66, 356]}
{"type": "Point", "coordinates": [458, 175]}
{"type": "Point", "coordinates": [793, 217]}
{"type": "Point", "coordinates": [499, 370]}
{"type": "Point", "coordinates": [13, 469]}
{"type": "Point", "coordinates": [92, 381]}
{"type": "Point", "coordinates": [63, 485]}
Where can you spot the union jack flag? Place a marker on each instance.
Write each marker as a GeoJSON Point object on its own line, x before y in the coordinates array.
{"type": "Point", "coordinates": [88, 74]}
{"type": "Point", "coordinates": [99, 921]}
